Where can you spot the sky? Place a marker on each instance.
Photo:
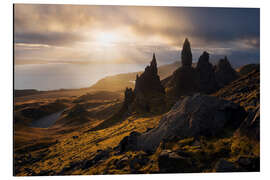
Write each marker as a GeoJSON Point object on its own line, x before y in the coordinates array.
{"type": "Point", "coordinates": [47, 34]}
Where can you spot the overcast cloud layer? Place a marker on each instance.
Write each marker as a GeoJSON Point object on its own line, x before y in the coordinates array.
{"type": "Point", "coordinates": [121, 34]}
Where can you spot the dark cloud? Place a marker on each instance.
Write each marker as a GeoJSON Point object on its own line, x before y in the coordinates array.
{"type": "Point", "coordinates": [211, 26]}
{"type": "Point", "coordinates": [49, 38]}
{"type": "Point", "coordinates": [237, 30]}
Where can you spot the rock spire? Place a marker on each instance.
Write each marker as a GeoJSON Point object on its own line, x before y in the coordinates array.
{"type": "Point", "coordinates": [148, 87]}
{"type": "Point", "coordinates": [186, 55]}
{"type": "Point", "coordinates": [224, 72]}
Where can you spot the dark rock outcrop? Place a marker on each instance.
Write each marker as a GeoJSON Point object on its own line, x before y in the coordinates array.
{"type": "Point", "coordinates": [206, 74]}
{"type": "Point", "coordinates": [197, 115]}
{"type": "Point", "coordinates": [129, 97]}
{"type": "Point", "coordinates": [224, 72]}
{"type": "Point", "coordinates": [225, 166]}
{"type": "Point", "coordinates": [184, 80]}
{"type": "Point", "coordinates": [128, 142]}
{"type": "Point", "coordinates": [204, 78]}
{"type": "Point", "coordinates": [246, 91]}
{"type": "Point", "coordinates": [138, 161]}
{"type": "Point", "coordinates": [250, 164]}
{"type": "Point", "coordinates": [170, 162]}
{"type": "Point", "coordinates": [186, 54]}
{"type": "Point", "coordinates": [148, 89]}
{"type": "Point", "coordinates": [149, 79]}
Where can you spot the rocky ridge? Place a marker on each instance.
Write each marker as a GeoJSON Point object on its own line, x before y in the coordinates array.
{"type": "Point", "coordinates": [204, 78]}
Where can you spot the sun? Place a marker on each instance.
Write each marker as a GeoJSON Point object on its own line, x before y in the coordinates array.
{"type": "Point", "coordinates": [107, 38]}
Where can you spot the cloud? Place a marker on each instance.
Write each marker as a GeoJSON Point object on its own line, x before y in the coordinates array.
{"type": "Point", "coordinates": [69, 33]}
{"type": "Point", "coordinates": [48, 38]}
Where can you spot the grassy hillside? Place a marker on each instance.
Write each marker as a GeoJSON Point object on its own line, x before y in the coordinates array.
{"type": "Point", "coordinates": [86, 139]}
{"type": "Point", "coordinates": [121, 81]}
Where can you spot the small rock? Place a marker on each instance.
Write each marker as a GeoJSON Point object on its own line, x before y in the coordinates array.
{"type": "Point", "coordinates": [225, 166]}
{"type": "Point", "coordinates": [101, 155]}
{"type": "Point", "coordinates": [249, 163]}
{"type": "Point", "coordinates": [121, 163]}
{"type": "Point", "coordinates": [86, 164]}
{"type": "Point", "coordinates": [75, 137]}
{"type": "Point", "coordinates": [171, 162]}
{"type": "Point", "coordinates": [139, 161]}
{"type": "Point", "coordinates": [129, 142]}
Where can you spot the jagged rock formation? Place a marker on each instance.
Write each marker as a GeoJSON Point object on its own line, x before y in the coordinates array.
{"type": "Point", "coordinates": [205, 78]}
{"type": "Point", "coordinates": [198, 115]}
{"type": "Point", "coordinates": [206, 74]}
{"type": "Point", "coordinates": [148, 89]}
{"type": "Point", "coordinates": [224, 72]}
{"type": "Point", "coordinates": [184, 80]}
{"type": "Point", "coordinates": [149, 79]}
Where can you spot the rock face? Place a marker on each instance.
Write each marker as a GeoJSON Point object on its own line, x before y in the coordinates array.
{"type": "Point", "coordinates": [224, 72]}
{"type": "Point", "coordinates": [204, 78]}
{"type": "Point", "coordinates": [184, 80]}
{"type": "Point", "coordinates": [148, 89]}
{"type": "Point", "coordinates": [129, 142]}
{"type": "Point", "coordinates": [186, 54]}
{"type": "Point", "coordinates": [149, 79]}
{"type": "Point", "coordinates": [246, 91]}
{"type": "Point", "coordinates": [206, 74]}
{"type": "Point", "coordinates": [170, 162]}
{"type": "Point", "coordinates": [197, 115]}
{"type": "Point", "coordinates": [129, 97]}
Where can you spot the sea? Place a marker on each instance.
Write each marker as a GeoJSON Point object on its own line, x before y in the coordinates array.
{"type": "Point", "coordinates": [66, 75]}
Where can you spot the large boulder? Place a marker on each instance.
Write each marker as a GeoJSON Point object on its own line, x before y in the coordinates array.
{"type": "Point", "coordinates": [206, 74]}
{"type": "Point", "coordinates": [128, 142]}
{"type": "Point", "coordinates": [197, 115]}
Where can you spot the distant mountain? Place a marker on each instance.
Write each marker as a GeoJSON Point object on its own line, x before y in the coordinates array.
{"type": "Point", "coordinates": [236, 60]}
{"type": "Point", "coordinates": [25, 92]}
{"type": "Point", "coordinates": [121, 81]}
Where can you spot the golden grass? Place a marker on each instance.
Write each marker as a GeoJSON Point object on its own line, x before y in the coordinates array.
{"type": "Point", "coordinates": [67, 149]}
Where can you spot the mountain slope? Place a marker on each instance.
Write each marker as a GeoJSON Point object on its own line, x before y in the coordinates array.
{"type": "Point", "coordinates": [121, 81]}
